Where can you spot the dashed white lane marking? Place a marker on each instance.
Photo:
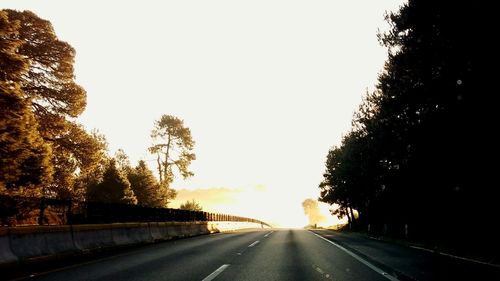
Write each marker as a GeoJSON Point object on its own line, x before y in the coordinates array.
{"type": "Point", "coordinates": [268, 234]}
{"type": "Point", "coordinates": [360, 259]}
{"type": "Point", "coordinates": [322, 272]}
{"type": "Point", "coordinates": [253, 244]}
{"type": "Point", "coordinates": [216, 272]}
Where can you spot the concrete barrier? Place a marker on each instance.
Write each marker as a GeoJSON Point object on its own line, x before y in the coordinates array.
{"type": "Point", "coordinates": [227, 226]}
{"type": "Point", "coordinates": [18, 244]}
{"type": "Point", "coordinates": [36, 241]}
{"type": "Point", "coordinates": [158, 231]}
{"type": "Point", "coordinates": [92, 236]}
{"type": "Point", "coordinates": [165, 231]}
{"type": "Point", "coordinates": [202, 228]}
{"type": "Point", "coordinates": [175, 229]}
{"type": "Point", "coordinates": [6, 255]}
{"type": "Point", "coordinates": [212, 227]}
{"type": "Point", "coordinates": [185, 229]}
{"type": "Point", "coordinates": [130, 233]}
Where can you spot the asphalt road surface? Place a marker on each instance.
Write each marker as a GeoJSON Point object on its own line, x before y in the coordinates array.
{"type": "Point", "coordinates": [279, 254]}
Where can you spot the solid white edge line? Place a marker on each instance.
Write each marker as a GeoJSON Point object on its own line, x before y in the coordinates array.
{"type": "Point", "coordinates": [360, 259]}
{"type": "Point", "coordinates": [216, 272]}
{"type": "Point", "coordinates": [455, 257]}
{"type": "Point", "coordinates": [253, 244]}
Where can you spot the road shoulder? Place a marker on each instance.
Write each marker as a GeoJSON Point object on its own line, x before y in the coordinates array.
{"type": "Point", "coordinates": [409, 263]}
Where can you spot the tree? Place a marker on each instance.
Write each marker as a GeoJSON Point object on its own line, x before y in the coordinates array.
{"type": "Point", "coordinates": [352, 176]}
{"type": "Point", "coordinates": [24, 156]}
{"type": "Point", "coordinates": [50, 79]}
{"type": "Point", "coordinates": [433, 98]}
{"type": "Point", "coordinates": [146, 188]}
{"type": "Point", "coordinates": [335, 188]}
{"type": "Point", "coordinates": [122, 161]}
{"type": "Point", "coordinates": [142, 181]}
{"type": "Point", "coordinates": [191, 206]}
{"type": "Point", "coordinates": [421, 142]}
{"type": "Point", "coordinates": [76, 152]}
{"type": "Point", "coordinates": [173, 148]}
{"type": "Point", "coordinates": [311, 209]}
{"type": "Point", "coordinates": [56, 100]}
{"type": "Point", "coordinates": [114, 187]}
{"type": "Point", "coordinates": [94, 174]}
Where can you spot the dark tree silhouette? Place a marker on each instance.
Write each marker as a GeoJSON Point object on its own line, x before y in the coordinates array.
{"type": "Point", "coordinates": [147, 189]}
{"type": "Point", "coordinates": [418, 150]}
{"type": "Point", "coordinates": [114, 187]}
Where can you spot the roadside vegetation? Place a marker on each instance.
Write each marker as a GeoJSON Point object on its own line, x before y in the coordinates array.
{"type": "Point", "coordinates": [417, 162]}
{"type": "Point", "coordinates": [45, 152]}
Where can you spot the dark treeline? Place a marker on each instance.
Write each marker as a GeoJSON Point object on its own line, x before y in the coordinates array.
{"type": "Point", "coordinates": [420, 149]}
{"type": "Point", "coordinates": [44, 152]}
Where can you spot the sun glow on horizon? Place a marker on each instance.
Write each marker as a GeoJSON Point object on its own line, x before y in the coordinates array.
{"type": "Point", "coordinates": [254, 202]}
{"type": "Point", "coordinates": [266, 88]}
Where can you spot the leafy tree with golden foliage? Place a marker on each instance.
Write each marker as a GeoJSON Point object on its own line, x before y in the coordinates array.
{"type": "Point", "coordinates": [56, 100]}
{"type": "Point", "coordinates": [93, 175]}
{"type": "Point", "coordinates": [24, 156]}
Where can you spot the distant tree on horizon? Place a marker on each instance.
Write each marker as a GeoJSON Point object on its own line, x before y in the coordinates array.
{"type": "Point", "coordinates": [191, 206]}
{"type": "Point", "coordinates": [311, 210]}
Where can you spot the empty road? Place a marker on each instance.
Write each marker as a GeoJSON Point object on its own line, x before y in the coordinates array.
{"type": "Point", "coordinates": [279, 254]}
{"type": "Point", "coordinates": [245, 255]}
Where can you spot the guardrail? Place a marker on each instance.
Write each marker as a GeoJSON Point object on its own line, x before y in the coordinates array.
{"type": "Point", "coordinates": [17, 210]}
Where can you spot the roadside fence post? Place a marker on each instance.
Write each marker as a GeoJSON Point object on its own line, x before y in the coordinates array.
{"type": "Point", "coordinates": [42, 209]}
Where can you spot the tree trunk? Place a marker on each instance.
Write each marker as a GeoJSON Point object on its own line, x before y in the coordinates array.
{"type": "Point", "coordinates": [166, 164]}
{"type": "Point", "coordinates": [159, 166]}
{"type": "Point", "coordinates": [352, 214]}
{"type": "Point", "coordinates": [349, 220]}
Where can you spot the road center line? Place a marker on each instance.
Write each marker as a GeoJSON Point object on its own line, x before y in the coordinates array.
{"type": "Point", "coordinates": [268, 234]}
{"type": "Point", "coordinates": [360, 259]}
{"type": "Point", "coordinates": [216, 272]}
{"type": "Point", "coordinates": [253, 244]}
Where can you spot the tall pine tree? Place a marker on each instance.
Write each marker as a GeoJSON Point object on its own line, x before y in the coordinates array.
{"type": "Point", "coordinates": [24, 156]}
{"type": "Point", "coordinates": [114, 187]}
{"type": "Point", "coordinates": [55, 100]}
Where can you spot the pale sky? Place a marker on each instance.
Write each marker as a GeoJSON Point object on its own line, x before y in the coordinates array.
{"type": "Point", "coordinates": [266, 87]}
